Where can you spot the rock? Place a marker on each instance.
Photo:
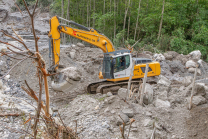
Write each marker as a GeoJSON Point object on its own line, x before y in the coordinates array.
{"type": "Point", "coordinates": [181, 88]}
{"type": "Point", "coordinates": [72, 53]}
{"type": "Point", "coordinates": [73, 45]}
{"type": "Point", "coordinates": [148, 113]}
{"type": "Point", "coordinates": [198, 100]}
{"type": "Point", "coordinates": [72, 73]}
{"type": "Point", "coordinates": [122, 93]}
{"type": "Point", "coordinates": [7, 77]}
{"type": "Point", "coordinates": [109, 94]}
{"type": "Point", "coordinates": [195, 54]}
{"type": "Point", "coordinates": [176, 66]}
{"type": "Point", "coordinates": [107, 109]}
{"type": "Point", "coordinates": [110, 99]}
{"type": "Point", "coordinates": [192, 70]}
{"type": "Point", "coordinates": [163, 81]}
{"type": "Point", "coordinates": [160, 103]}
{"type": "Point", "coordinates": [168, 56]}
{"type": "Point", "coordinates": [159, 57]}
{"type": "Point", "coordinates": [165, 69]}
{"type": "Point", "coordinates": [124, 117]}
{"type": "Point", "coordinates": [182, 58]}
{"type": "Point", "coordinates": [80, 45]}
{"type": "Point", "coordinates": [190, 64]}
{"type": "Point", "coordinates": [200, 89]}
{"type": "Point", "coordinates": [129, 112]}
{"type": "Point", "coordinates": [187, 80]}
{"type": "Point", "coordinates": [148, 94]}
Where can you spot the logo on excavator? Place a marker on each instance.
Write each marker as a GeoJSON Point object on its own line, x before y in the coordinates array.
{"type": "Point", "coordinates": [74, 33]}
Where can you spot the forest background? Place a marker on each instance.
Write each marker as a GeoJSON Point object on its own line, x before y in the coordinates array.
{"type": "Point", "coordinates": [159, 25]}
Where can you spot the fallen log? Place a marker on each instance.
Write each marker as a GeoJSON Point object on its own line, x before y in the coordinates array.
{"type": "Point", "coordinates": [11, 114]}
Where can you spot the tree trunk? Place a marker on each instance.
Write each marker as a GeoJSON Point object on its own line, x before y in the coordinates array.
{"type": "Point", "coordinates": [126, 11]}
{"type": "Point", "coordinates": [94, 18]}
{"type": "Point", "coordinates": [62, 15]}
{"type": "Point", "coordinates": [129, 24]}
{"type": "Point", "coordinates": [103, 14]}
{"type": "Point", "coordinates": [87, 16]}
{"type": "Point", "coordinates": [90, 15]}
{"type": "Point", "coordinates": [137, 20]}
{"type": "Point", "coordinates": [68, 10]}
{"type": "Point", "coordinates": [161, 20]}
{"type": "Point", "coordinates": [114, 19]}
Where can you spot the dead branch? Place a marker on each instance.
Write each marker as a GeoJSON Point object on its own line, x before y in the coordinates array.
{"type": "Point", "coordinates": [17, 34]}
{"type": "Point", "coordinates": [32, 21]}
{"type": "Point", "coordinates": [15, 39]}
{"type": "Point", "coordinates": [12, 114]}
{"type": "Point", "coordinates": [15, 66]}
{"type": "Point", "coordinates": [6, 54]}
{"type": "Point", "coordinates": [193, 87]}
{"type": "Point", "coordinates": [39, 103]}
{"type": "Point", "coordinates": [18, 8]}
{"type": "Point", "coordinates": [11, 45]}
{"type": "Point", "coordinates": [131, 121]}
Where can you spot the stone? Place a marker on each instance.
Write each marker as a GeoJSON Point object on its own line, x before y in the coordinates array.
{"type": "Point", "coordinates": [80, 45]}
{"type": "Point", "coordinates": [198, 100]}
{"type": "Point", "coordinates": [192, 70]}
{"type": "Point", "coordinates": [109, 94]}
{"type": "Point", "coordinates": [195, 54]}
{"type": "Point", "coordinates": [190, 64]}
{"type": "Point", "coordinates": [113, 111]}
{"type": "Point", "coordinates": [7, 77]}
{"type": "Point", "coordinates": [187, 80]}
{"type": "Point", "coordinates": [182, 58]}
{"type": "Point", "coordinates": [107, 109]}
{"type": "Point", "coordinates": [72, 73]}
{"type": "Point", "coordinates": [148, 94]}
{"type": "Point", "coordinates": [200, 89]}
{"type": "Point", "coordinates": [160, 103]}
{"type": "Point", "coordinates": [122, 93]}
{"type": "Point", "coordinates": [176, 66]}
{"type": "Point", "coordinates": [163, 81]}
{"type": "Point", "coordinates": [110, 100]}
{"type": "Point", "coordinates": [159, 57]}
{"type": "Point", "coordinates": [124, 117]}
{"type": "Point", "coordinates": [129, 112]}
{"type": "Point", "coordinates": [148, 113]}
{"type": "Point", "coordinates": [72, 53]}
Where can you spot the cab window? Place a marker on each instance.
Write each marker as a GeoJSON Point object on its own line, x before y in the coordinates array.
{"type": "Point", "coordinates": [121, 63]}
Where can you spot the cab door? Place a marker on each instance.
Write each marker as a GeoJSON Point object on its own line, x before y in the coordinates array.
{"type": "Point", "coordinates": [122, 66]}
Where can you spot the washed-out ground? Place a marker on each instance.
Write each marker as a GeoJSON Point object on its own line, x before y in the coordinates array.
{"type": "Point", "coordinates": [97, 115]}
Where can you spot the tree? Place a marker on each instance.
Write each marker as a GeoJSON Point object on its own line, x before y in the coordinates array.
{"type": "Point", "coordinates": [137, 21]}
{"type": "Point", "coordinates": [161, 21]}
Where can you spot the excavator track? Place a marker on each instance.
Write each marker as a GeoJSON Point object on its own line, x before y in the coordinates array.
{"type": "Point", "coordinates": [105, 86]}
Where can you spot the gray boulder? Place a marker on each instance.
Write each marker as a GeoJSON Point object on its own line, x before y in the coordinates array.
{"type": "Point", "coordinates": [195, 55]}
{"type": "Point", "coordinates": [163, 81]}
{"type": "Point", "coordinates": [190, 64]}
{"type": "Point", "coordinates": [129, 112]}
{"type": "Point", "coordinates": [200, 89]}
{"type": "Point", "coordinates": [162, 104]}
{"type": "Point", "coordinates": [122, 93]}
{"type": "Point", "coordinates": [148, 94]}
{"type": "Point", "coordinates": [119, 120]}
{"type": "Point", "coordinates": [198, 100]}
{"type": "Point", "coordinates": [192, 70]}
{"type": "Point", "coordinates": [80, 45]}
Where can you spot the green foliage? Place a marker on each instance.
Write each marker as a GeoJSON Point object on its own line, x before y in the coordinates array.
{"type": "Point", "coordinates": [184, 27]}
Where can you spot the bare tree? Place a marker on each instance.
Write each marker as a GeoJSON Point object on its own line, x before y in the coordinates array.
{"type": "Point", "coordinates": [126, 12]}
{"type": "Point", "coordinates": [161, 21]}
{"type": "Point", "coordinates": [137, 20]}
{"type": "Point", "coordinates": [114, 19]}
{"type": "Point", "coordinates": [94, 18]}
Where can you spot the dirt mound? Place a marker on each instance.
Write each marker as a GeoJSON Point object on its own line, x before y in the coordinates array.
{"type": "Point", "coordinates": [197, 124]}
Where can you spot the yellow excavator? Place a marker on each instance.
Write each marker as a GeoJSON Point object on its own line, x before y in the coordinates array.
{"type": "Point", "coordinates": [116, 65]}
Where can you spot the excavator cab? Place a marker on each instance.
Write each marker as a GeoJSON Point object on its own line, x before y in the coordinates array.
{"type": "Point", "coordinates": [116, 64]}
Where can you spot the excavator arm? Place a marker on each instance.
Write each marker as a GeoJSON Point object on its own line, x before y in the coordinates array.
{"type": "Point", "coordinates": [88, 35]}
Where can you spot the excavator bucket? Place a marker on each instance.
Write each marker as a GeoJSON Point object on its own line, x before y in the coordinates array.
{"type": "Point", "coordinates": [63, 83]}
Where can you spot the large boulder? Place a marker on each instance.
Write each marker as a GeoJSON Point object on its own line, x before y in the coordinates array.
{"type": "Point", "coordinates": [200, 89]}
{"type": "Point", "coordinates": [72, 73]}
{"type": "Point", "coordinates": [170, 55]}
{"type": "Point", "coordinates": [122, 93]}
{"type": "Point", "coordinates": [119, 121]}
{"type": "Point", "coordinates": [165, 69]}
{"type": "Point", "coordinates": [195, 54]}
{"type": "Point", "coordinates": [163, 81]}
{"type": "Point", "coordinates": [72, 53]}
{"type": "Point", "coordinates": [148, 94]}
{"type": "Point", "coordinates": [182, 58]}
{"type": "Point", "coordinates": [176, 66]}
{"type": "Point", "coordinates": [80, 45]}
{"type": "Point", "coordinates": [129, 112]}
{"type": "Point", "coordinates": [187, 80]}
{"type": "Point", "coordinates": [192, 70]}
{"type": "Point", "coordinates": [198, 100]}
{"type": "Point", "coordinates": [190, 64]}
{"type": "Point", "coordinates": [159, 57]}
